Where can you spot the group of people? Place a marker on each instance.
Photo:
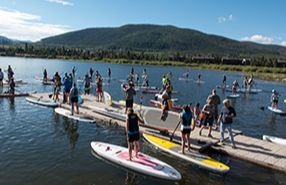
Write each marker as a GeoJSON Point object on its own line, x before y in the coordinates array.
{"type": "Point", "coordinates": [11, 82]}
{"type": "Point", "coordinates": [99, 83]}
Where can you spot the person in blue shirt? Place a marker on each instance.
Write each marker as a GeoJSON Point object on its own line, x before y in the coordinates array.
{"type": "Point", "coordinates": [74, 93]}
{"type": "Point", "coordinates": [186, 118]}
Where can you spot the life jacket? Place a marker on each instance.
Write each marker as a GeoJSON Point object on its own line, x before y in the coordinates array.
{"type": "Point", "coordinates": [186, 120]}
{"type": "Point", "coordinates": [133, 127]}
{"type": "Point", "coordinates": [166, 104]}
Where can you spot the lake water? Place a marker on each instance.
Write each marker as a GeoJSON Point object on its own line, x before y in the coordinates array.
{"type": "Point", "coordinates": [41, 147]}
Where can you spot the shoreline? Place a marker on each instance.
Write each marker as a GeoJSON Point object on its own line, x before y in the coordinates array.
{"type": "Point", "coordinates": [275, 74]}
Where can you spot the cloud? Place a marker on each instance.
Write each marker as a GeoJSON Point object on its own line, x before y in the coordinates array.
{"type": "Point", "coordinates": [225, 19]}
{"type": "Point", "coordinates": [62, 2]}
{"type": "Point", "coordinates": [25, 26]}
{"type": "Point", "coordinates": [283, 43]}
{"type": "Point", "coordinates": [259, 38]}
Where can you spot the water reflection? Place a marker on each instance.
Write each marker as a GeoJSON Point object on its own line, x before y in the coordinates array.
{"type": "Point", "coordinates": [130, 179]}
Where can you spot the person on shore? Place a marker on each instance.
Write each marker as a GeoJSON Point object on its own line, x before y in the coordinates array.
{"type": "Point", "coordinates": [74, 93]}
{"type": "Point", "coordinates": [169, 88]}
{"type": "Point", "coordinates": [216, 101]}
{"type": "Point", "coordinates": [245, 83]}
{"type": "Point", "coordinates": [86, 84]}
{"type": "Point", "coordinates": [109, 73]}
{"type": "Point", "coordinates": [12, 86]}
{"type": "Point", "coordinates": [132, 130]}
{"type": "Point", "coordinates": [10, 73]}
{"type": "Point", "coordinates": [274, 99]}
{"type": "Point", "coordinates": [226, 118]}
{"type": "Point", "coordinates": [235, 86]}
{"type": "Point", "coordinates": [1, 77]}
{"type": "Point", "coordinates": [224, 82]}
{"type": "Point", "coordinates": [186, 118]}
{"type": "Point", "coordinates": [130, 93]}
{"type": "Point", "coordinates": [99, 89]}
{"type": "Point", "coordinates": [67, 86]}
{"type": "Point", "coordinates": [208, 117]}
{"type": "Point", "coordinates": [45, 74]}
{"type": "Point", "coordinates": [166, 105]}
{"type": "Point", "coordinates": [57, 86]}
{"type": "Point", "coordinates": [197, 114]}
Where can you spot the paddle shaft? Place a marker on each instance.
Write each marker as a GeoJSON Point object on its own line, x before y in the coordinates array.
{"type": "Point", "coordinates": [171, 138]}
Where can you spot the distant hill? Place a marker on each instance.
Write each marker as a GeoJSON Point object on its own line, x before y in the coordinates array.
{"type": "Point", "coordinates": [161, 39]}
{"type": "Point", "coordinates": [7, 41]}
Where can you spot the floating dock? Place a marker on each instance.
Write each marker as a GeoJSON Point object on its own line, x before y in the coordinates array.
{"type": "Point", "coordinates": [248, 149]}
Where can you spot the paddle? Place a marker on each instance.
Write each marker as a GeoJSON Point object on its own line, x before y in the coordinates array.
{"type": "Point", "coordinates": [171, 138]}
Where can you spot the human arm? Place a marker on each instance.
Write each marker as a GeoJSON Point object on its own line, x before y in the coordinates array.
{"type": "Point", "coordinates": [140, 119]}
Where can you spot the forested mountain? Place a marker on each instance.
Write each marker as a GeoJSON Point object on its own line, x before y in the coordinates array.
{"type": "Point", "coordinates": [157, 38]}
{"type": "Point", "coordinates": [7, 41]}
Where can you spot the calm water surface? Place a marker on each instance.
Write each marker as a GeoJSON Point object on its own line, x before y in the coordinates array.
{"type": "Point", "coordinates": [41, 147]}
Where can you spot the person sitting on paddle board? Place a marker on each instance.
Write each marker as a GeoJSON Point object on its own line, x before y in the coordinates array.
{"type": "Point", "coordinates": [45, 78]}
{"type": "Point", "coordinates": [235, 85]}
{"type": "Point", "coordinates": [186, 118]}
{"type": "Point", "coordinates": [274, 99]}
{"type": "Point", "coordinates": [130, 92]}
{"type": "Point", "coordinates": [224, 82]}
{"type": "Point", "coordinates": [132, 130]}
{"type": "Point", "coordinates": [1, 77]}
{"type": "Point", "coordinates": [86, 84]}
{"type": "Point", "coordinates": [226, 118]}
{"type": "Point", "coordinates": [12, 86]}
{"type": "Point", "coordinates": [216, 101]}
{"type": "Point", "coordinates": [99, 89]}
{"type": "Point", "coordinates": [57, 86]}
{"type": "Point", "coordinates": [74, 93]}
{"type": "Point", "coordinates": [208, 117]}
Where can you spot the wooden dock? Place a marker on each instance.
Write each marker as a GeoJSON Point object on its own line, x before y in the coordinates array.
{"type": "Point", "coordinates": [248, 149]}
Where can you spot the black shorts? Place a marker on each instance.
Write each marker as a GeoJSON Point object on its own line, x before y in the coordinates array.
{"type": "Point", "coordinates": [129, 103]}
{"type": "Point", "coordinates": [275, 101]}
{"type": "Point", "coordinates": [133, 137]}
{"type": "Point", "coordinates": [74, 99]}
{"type": "Point", "coordinates": [208, 121]}
{"type": "Point", "coordinates": [186, 131]}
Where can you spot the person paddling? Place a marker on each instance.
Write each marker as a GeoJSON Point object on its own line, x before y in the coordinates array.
{"type": "Point", "coordinates": [235, 86]}
{"type": "Point", "coordinates": [250, 82]}
{"type": "Point", "coordinates": [109, 73]}
{"type": "Point", "coordinates": [186, 118]}
{"type": "Point", "coordinates": [74, 93]}
{"type": "Point", "coordinates": [245, 84]}
{"type": "Point", "coordinates": [224, 82]}
{"type": "Point", "coordinates": [45, 78]}
{"type": "Point", "coordinates": [12, 86]}
{"type": "Point", "coordinates": [1, 77]}
{"type": "Point", "coordinates": [132, 131]}
{"type": "Point", "coordinates": [10, 73]}
{"type": "Point", "coordinates": [274, 99]}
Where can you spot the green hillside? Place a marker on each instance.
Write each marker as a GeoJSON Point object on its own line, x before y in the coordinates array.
{"type": "Point", "coordinates": [161, 39]}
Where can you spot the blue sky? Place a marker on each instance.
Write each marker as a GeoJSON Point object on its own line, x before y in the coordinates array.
{"type": "Point", "coordinates": [260, 21]}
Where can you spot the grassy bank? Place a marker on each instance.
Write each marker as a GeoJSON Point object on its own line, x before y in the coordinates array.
{"type": "Point", "coordinates": [263, 73]}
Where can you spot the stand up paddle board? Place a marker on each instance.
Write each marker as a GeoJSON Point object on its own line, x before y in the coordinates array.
{"type": "Point", "coordinates": [273, 139]}
{"type": "Point", "coordinates": [277, 111]}
{"type": "Point", "coordinates": [159, 96]}
{"type": "Point", "coordinates": [193, 157]}
{"type": "Point", "coordinates": [78, 117]}
{"type": "Point", "coordinates": [110, 112]}
{"type": "Point", "coordinates": [144, 164]}
{"type": "Point", "coordinates": [159, 104]}
{"type": "Point", "coordinates": [185, 79]}
{"type": "Point", "coordinates": [233, 96]}
{"type": "Point", "coordinates": [199, 82]}
{"type": "Point", "coordinates": [43, 102]}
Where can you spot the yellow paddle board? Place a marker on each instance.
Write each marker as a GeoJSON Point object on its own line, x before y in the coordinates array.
{"type": "Point", "coordinates": [194, 157]}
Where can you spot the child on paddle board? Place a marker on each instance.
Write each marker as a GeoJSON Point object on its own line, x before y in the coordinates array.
{"type": "Point", "coordinates": [186, 118]}
{"type": "Point", "coordinates": [132, 130]}
{"type": "Point", "coordinates": [274, 99]}
{"type": "Point", "coordinates": [74, 93]}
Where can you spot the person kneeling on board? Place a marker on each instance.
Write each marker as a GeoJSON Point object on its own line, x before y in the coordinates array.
{"type": "Point", "coordinates": [74, 98]}
{"type": "Point", "coordinates": [226, 118]}
{"type": "Point", "coordinates": [132, 130]}
{"type": "Point", "coordinates": [186, 118]}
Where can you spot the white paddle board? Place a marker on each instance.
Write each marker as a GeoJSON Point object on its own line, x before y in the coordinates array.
{"type": "Point", "coordinates": [233, 96]}
{"type": "Point", "coordinates": [78, 117]}
{"type": "Point", "coordinates": [43, 102]}
{"type": "Point", "coordinates": [144, 164]}
{"type": "Point", "coordinates": [159, 96]}
{"type": "Point", "coordinates": [273, 139]}
{"type": "Point", "coordinates": [277, 111]}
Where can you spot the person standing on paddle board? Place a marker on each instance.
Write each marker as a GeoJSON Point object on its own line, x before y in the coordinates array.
{"type": "Point", "coordinates": [109, 73]}
{"type": "Point", "coordinates": [216, 101]}
{"type": "Point", "coordinates": [132, 130]}
{"type": "Point", "coordinates": [74, 93]}
{"type": "Point", "coordinates": [74, 75]}
{"type": "Point", "coordinates": [250, 82]}
{"type": "Point", "coordinates": [45, 78]}
{"type": "Point", "coordinates": [235, 85]}
{"type": "Point", "coordinates": [186, 118]}
{"type": "Point", "coordinates": [57, 86]}
{"type": "Point", "coordinates": [67, 87]}
{"type": "Point", "coordinates": [224, 82]}
{"type": "Point", "coordinates": [130, 92]}
{"type": "Point", "coordinates": [99, 89]}
{"type": "Point", "coordinates": [274, 99]}
{"type": "Point", "coordinates": [226, 118]}
{"type": "Point", "coordinates": [199, 77]}
{"type": "Point", "coordinates": [91, 73]}
{"type": "Point", "coordinates": [1, 77]}
{"type": "Point", "coordinates": [10, 73]}
{"type": "Point", "coordinates": [136, 78]}
{"type": "Point", "coordinates": [245, 84]}
{"type": "Point", "coordinates": [208, 117]}
{"type": "Point", "coordinates": [12, 86]}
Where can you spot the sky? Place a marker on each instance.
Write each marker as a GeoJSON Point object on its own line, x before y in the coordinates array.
{"type": "Point", "coordinates": [261, 21]}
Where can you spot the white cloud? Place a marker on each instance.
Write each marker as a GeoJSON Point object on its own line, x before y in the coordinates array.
{"type": "Point", "coordinates": [259, 38]}
{"type": "Point", "coordinates": [283, 43]}
{"type": "Point", "coordinates": [225, 19]}
{"type": "Point", "coordinates": [25, 26]}
{"type": "Point", "coordinates": [62, 2]}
